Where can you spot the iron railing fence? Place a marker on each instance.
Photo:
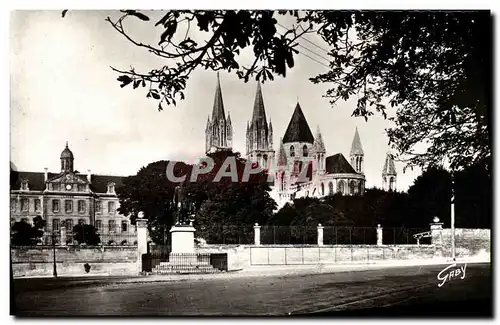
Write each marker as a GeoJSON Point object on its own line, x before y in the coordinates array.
{"type": "Point", "coordinates": [401, 235]}
{"type": "Point", "coordinates": [227, 234]}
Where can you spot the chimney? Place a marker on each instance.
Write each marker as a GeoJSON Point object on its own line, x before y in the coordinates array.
{"type": "Point", "coordinates": [88, 175]}
{"type": "Point", "coordinates": [46, 174]}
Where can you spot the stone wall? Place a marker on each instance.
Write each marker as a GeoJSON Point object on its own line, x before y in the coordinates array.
{"type": "Point", "coordinates": [70, 260]}
{"type": "Point", "coordinates": [468, 242]}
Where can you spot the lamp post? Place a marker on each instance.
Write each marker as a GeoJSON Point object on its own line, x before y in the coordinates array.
{"type": "Point", "coordinates": [54, 250]}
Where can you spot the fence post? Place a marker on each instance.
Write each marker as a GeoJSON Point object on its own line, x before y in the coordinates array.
{"type": "Point", "coordinates": [142, 239]}
{"type": "Point", "coordinates": [63, 236]}
{"type": "Point", "coordinates": [256, 231]}
{"type": "Point", "coordinates": [320, 235]}
{"type": "Point", "coordinates": [379, 235]}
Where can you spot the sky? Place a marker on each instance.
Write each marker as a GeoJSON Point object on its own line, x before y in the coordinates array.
{"type": "Point", "coordinates": [63, 89]}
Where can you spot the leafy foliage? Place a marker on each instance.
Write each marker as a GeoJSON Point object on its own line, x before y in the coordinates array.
{"type": "Point", "coordinates": [433, 66]}
{"type": "Point", "coordinates": [86, 234]}
{"type": "Point", "coordinates": [24, 234]}
{"type": "Point", "coordinates": [152, 192]}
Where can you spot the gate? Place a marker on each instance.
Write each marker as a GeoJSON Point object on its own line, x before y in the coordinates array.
{"type": "Point", "coordinates": [155, 255]}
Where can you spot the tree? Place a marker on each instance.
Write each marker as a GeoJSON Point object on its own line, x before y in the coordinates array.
{"type": "Point", "coordinates": [229, 207]}
{"type": "Point", "coordinates": [86, 234]}
{"type": "Point", "coordinates": [24, 234]}
{"type": "Point", "coordinates": [152, 192]}
{"type": "Point", "coordinates": [433, 66]}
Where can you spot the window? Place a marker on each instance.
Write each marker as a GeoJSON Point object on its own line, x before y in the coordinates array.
{"type": "Point", "coordinates": [55, 206]}
{"type": "Point", "coordinates": [304, 151]}
{"type": "Point", "coordinates": [68, 206]}
{"type": "Point", "coordinates": [13, 205]}
{"type": "Point", "coordinates": [352, 188]}
{"type": "Point", "coordinates": [330, 188]}
{"type": "Point", "coordinates": [341, 187]}
{"type": "Point", "coordinates": [69, 224]}
{"type": "Point", "coordinates": [81, 221]}
{"type": "Point", "coordinates": [24, 185]}
{"type": "Point", "coordinates": [81, 188]}
{"type": "Point", "coordinates": [111, 226]}
{"type": "Point", "coordinates": [55, 225]}
{"type": "Point", "coordinates": [82, 206]}
{"type": "Point", "coordinates": [38, 205]}
{"type": "Point", "coordinates": [111, 207]}
{"type": "Point", "coordinates": [292, 151]}
{"type": "Point", "coordinates": [111, 188]}
{"type": "Point", "coordinates": [98, 225]}
{"type": "Point", "coordinates": [98, 206]}
{"type": "Point", "coordinates": [25, 205]}
{"type": "Point", "coordinates": [322, 188]}
{"type": "Point", "coordinates": [124, 226]}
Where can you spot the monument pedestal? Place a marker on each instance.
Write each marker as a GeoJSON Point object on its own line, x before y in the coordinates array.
{"type": "Point", "coordinates": [182, 239]}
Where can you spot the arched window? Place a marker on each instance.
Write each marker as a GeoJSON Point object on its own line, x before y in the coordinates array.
{"type": "Point", "coordinates": [304, 151]}
{"type": "Point", "coordinates": [392, 182]}
{"type": "Point", "coordinates": [352, 188]}
{"type": "Point", "coordinates": [292, 151]}
{"type": "Point", "coordinates": [341, 187]}
{"type": "Point", "coordinates": [322, 189]}
{"type": "Point", "coordinates": [330, 188]}
{"type": "Point", "coordinates": [307, 193]}
{"type": "Point", "coordinates": [283, 181]}
{"type": "Point", "coordinates": [314, 192]}
{"type": "Point", "coordinates": [360, 188]}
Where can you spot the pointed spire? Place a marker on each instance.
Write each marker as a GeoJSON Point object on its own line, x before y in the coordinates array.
{"type": "Point", "coordinates": [389, 167]}
{"type": "Point", "coordinates": [218, 110]}
{"type": "Point", "coordinates": [259, 112]}
{"type": "Point", "coordinates": [356, 147]}
{"type": "Point", "coordinates": [228, 118]}
{"type": "Point", "coordinates": [298, 130]}
{"type": "Point", "coordinates": [319, 145]}
{"type": "Point", "coordinates": [282, 154]}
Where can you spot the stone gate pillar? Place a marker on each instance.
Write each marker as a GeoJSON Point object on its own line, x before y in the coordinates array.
{"type": "Point", "coordinates": [436, 232]}
{"type": "Point", "coordinates": [256, 231]}
{"type": "Point", "coordinates": [320, 235]}
{"type": "Point", "coordinates": [379, 235]}
{"type": "Point", "coordinates": [142, 239]}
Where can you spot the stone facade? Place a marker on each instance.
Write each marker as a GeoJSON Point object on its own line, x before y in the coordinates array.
{"type": "Point", "coordinates": [68, 198]}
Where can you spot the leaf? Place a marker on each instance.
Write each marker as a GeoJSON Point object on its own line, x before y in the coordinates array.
{"type": "Point", "coordinates": [160, 108]}
{"type": "Point", "coordinates": [125, 80]}
{"type": "Point", "coordinates": [139, 15]}
{"type": "Point", "coordinates": [63, 14]}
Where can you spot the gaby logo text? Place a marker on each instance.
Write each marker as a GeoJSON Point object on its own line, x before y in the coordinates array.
{"type": "Point", "coordinates": [451, 271]}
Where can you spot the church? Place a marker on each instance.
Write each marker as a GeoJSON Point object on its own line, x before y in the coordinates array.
{"type": "Point", "coordinates": [300, 167]}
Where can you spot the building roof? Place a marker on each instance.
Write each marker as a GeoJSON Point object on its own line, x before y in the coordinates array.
{"type": "Point", "coordinates": [389, 168]}
{"type": "Point", "coordinates": [66, 153]}
{"type": "Point", "coordinates": [337, 164]}
{"type": "Point", "coordinates": [319, 145]}
{"type": "Point", "coordinates": [356, 147]}
{"type": "Point", "coordinates": [36, 181]}
{"type": "Point", "coordinates": [259, 112]}
{"type": "Point", "coordinates": [281, 154]}
{"type": "Point", "coordinates": [298, 130]}
{"type": "Point", "coordinates": [218, 110]}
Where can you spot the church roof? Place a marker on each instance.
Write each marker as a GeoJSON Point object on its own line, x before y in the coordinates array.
{"type": "Point", "coordinates": [356, 147]}
{"type": "Point", "coordinates": [337, 164]}
{"type": "Point", "coordinates": [218, 110]}
{"type": "Point", "coordinates": [259, 112]}
{"type": "Point", "coordinates": [389, 168]}
{"type": "Point", "coordinates": [281, 154]}
{"type": "Point", "coordinates": [319, 145]}
{"type": "Point", "coordinates": [298, 130]}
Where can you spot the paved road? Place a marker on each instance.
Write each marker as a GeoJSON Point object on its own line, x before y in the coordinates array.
{"type": "Point", "coordinates": [403, 289]}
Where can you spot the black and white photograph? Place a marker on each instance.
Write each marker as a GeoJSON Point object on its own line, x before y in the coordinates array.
{"type": "Point", "coordinates": [251, 162]}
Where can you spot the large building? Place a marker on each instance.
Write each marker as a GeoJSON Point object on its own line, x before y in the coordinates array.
{"type": "Point", "coordinates": [300, 166]}
{"type": "Point", "coordinates": [68, 197]}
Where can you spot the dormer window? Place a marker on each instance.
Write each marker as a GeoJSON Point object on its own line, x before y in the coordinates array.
{"type": "Point", "coordinates": [24, 185]}
{"type": "Point", "coordinates": [304, 151]}
{"type": "Point", "coordinates": [292, 151]}
{"type": "Point", "coordinates": [111, 188]}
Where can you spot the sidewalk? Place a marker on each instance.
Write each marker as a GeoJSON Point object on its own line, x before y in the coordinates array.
{"type": "Point", "coordinates": [40, 283]}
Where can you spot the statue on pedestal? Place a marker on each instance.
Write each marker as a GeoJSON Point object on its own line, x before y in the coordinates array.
{"type": "Point", "coordinates": [184, 207]}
